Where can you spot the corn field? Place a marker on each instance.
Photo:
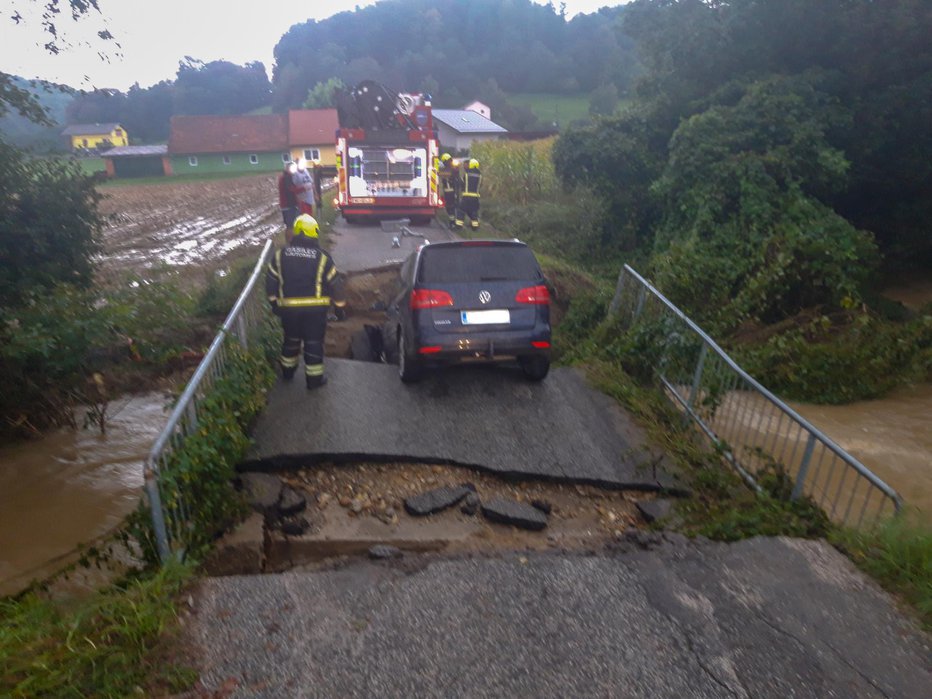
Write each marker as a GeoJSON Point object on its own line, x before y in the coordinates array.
{"type": "Point", "coordinates": [516, 171]}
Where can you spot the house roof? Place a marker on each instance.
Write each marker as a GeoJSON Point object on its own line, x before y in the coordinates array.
{"type": "Point", "coordinates": [130, 151]}
{"type": "Point", "coordinates": [89, 129]}
{"type": "Point", "coordinates": [312, 126]}
{"type": "Point", "coordinates": [465, 121]}
{"type": "Point", "coordinates": [228, 134]}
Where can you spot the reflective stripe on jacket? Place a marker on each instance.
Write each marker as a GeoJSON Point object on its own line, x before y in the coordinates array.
{"type": "Point", "coordinates": [471, 183]}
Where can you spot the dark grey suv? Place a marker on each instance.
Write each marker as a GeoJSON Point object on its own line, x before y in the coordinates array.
{"type": "Point", "coordinates": [470, 301]}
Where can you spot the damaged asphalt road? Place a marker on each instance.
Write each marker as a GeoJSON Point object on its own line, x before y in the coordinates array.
{"type": "Point", "coordinates": [759, 618]}
{"type": "Point", "coordinates": [488, 417]}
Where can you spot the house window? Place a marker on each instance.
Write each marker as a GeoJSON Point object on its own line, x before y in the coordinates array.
{"type": "Point", "coordinates": [312, 154]}
{"type": "Point", "coordinates": [254, 159]}
{"type": "Point", "coordinates": [226, 160]}
{"type": "Point", "coordinates": [118, 132]}
{"type": "Point", "coordinates": [85, 142]}
{"type": "Point", "coordinates": [192, 160]}
{"type": "Point", "coordinates": [286, 157]}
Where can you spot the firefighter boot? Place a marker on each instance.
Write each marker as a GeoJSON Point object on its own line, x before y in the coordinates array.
{"type": "Point", "coordinates": [315, 381]}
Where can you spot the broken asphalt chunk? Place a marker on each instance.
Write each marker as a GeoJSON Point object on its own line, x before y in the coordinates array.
{"type": "Point", "coordinates": [292, 502]}
{"type": "Point", "coordinates": [262, 490]}
{"type": "Point", "coordinates": [518, 514]}
{"type": "Point", "coordinates": [382, 551]}
{"type": "Point", "coordinates": [470, 505]}
{"type": "Point", "coordinates": [652, 510]}
{"type": "Point", "coordinates": [436, 500]}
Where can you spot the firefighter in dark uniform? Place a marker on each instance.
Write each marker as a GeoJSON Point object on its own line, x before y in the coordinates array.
{"type": "Point", "coordinates": [469, 196]}
{"type": "Point", "coordinates": [449, 185]}
{"type": "Point", "coordinates": [300, 281]}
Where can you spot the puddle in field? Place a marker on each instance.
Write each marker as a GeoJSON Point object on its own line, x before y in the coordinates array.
{"type": "Point", "coordinates": [71, 487]}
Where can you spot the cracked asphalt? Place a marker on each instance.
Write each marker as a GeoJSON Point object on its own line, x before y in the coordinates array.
{"type": "Point", "coordinates": [488, 417]}
{"type": "Point", "coordinates": [759, 618]}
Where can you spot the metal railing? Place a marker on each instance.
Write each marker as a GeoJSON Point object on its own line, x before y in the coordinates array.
{"type": "Point", "coordinates": [242, 325]}
{"type": "Point", "coordinates": [752, 427]}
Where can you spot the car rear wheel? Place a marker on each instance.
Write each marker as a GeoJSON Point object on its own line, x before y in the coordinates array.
{"type": "Point", "coordinates": [409, 369]}
{"type": "Point", "coordinates": [535, 368]}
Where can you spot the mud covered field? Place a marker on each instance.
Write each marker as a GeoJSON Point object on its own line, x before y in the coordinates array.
{"type": "Point", "coordinates": [188, 225]}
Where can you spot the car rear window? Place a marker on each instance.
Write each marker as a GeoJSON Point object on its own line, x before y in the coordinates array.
{"type": "Point", "coordinates": [477, 263]}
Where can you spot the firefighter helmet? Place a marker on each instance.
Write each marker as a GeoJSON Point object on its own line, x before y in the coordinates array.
{"type": "Point", "coordinates": [446, 157]}
{"type": "Point", "coordinates": [473, 164]}
{"type": "Point", "coordinates": [306, 225]}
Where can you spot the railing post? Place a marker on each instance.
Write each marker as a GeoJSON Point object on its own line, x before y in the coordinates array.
{"type": "Point", "coordinates": [241, 331]}
{"type": "Point", "coordinates": [615, 305]}
{"type": "Point", "coordinates": [697, 376]}
{"type": "Point", "coordinates": [158, 515]}
{"type": "Point", "coordinates": [190, 415]}
{"type": "Point", "coordinates": [642, 296]}
{"type": "Point", "coordinates": [803, 467]}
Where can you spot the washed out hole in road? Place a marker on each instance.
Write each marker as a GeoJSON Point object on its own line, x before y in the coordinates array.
{"type": "Point", "coordinates": [352, 507]}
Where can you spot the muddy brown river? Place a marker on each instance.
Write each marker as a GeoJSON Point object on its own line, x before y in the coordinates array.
{"type": "Point", "coordinates": [892, 436]}
{"type": "Point", "coordinates": [72, 487]}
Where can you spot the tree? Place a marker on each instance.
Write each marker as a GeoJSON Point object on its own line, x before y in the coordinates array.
{"type": "Point", "coordinates": [603, 100]}
{"type": "Point", "coordinates": [322, 94]}
{"type": "Point", "coordinates": [48, 225]}
{"type": "Point", "coordinates": [220, 87]}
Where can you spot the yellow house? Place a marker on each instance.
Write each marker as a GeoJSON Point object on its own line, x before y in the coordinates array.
{"type": "Point", "coordinates": [94, 136]}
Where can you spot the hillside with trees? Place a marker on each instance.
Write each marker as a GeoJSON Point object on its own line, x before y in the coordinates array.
{"type": "Point", "coordinates": [774, 171]}
{"type": "Point", "coordinates": [455, 50]}
{"type": "Point", "coordinates": [459, 51]}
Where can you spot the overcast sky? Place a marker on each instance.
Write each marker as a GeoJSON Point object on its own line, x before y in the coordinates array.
{"type": "Point", "coordinates": [156, 34]}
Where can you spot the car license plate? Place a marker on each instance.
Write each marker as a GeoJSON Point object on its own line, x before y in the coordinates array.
{"type": "Point", "coordinates": [485, 317]}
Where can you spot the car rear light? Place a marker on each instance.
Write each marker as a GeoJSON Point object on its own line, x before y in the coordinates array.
{"type": "Point", "coordinates": [533, 294]}
{"type": "Point", "coordinates": [477, 243]}
{"type": "Point", "coordinates": [540, 344]}
{"type": "Point", "coordinates": [430, 298]}
{"type": "Point", "coordinates": [430, 349]}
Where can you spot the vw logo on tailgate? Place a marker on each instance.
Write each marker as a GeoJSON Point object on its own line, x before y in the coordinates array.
{"type": "Point", "coordinates": [484, 296]}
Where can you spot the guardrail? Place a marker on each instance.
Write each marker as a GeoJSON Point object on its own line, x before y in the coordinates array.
{"type": "Point", "coordinates": [751, 426]}
{"type": "Point", "coordinates": [241, 325]}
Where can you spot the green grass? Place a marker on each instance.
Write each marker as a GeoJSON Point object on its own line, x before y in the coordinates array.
{"type": "Point", "coordinates": [112, 644]}
{"type": "Point", "coordinates": [898, 554]}
{"type": "Point", "coordinates": [88, 165]}
{"type": "Point", "coordinates": [552, 107]}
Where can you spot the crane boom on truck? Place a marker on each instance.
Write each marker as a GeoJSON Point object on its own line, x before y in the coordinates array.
{"type": "Point", "coordinates": [386, 153]}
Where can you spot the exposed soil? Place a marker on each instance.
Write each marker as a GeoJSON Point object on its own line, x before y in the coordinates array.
{"type": "Point", "coordinates": [194, 224]}
{"type": "Point", "coordinates": [352, 507]}
{"type": "Point", "coordinates": [367, 294]}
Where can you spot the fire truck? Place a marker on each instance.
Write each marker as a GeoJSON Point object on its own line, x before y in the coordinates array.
{"type": "Point", "coordinates": [386, 154]}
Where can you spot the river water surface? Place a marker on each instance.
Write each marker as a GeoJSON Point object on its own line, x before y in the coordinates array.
{"type": "Point", "coordinates": [892, 436]}
{"type": "Point", "coordinates": [71, 487]}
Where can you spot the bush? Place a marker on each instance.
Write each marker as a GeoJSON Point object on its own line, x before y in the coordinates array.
{"type": "Point", "coordinates": [48, 225]}
{"type": "Point", "coordinates": [196, 482]}
{"type": "Point", "coordinates": [853, 358]}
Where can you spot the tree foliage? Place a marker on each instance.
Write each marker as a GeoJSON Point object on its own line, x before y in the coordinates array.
{"type": "Point", "coordinates": [457, 49]}
{"type": "Point", "coordinates": [219, 87]}
{"type": "Point", "coordinates": [48, 225]}
{"type": "Point", "coordinates": [322, 95]}
{"type": "Point", "coordinates": [772, 151]}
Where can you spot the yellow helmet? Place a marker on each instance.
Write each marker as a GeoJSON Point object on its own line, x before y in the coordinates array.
{"type": "Point", "coordinates": [473, 164]}
{"type": "Point", "coordinates": [306, 225]}
{"type": "Point", "coordinates": [446, 157]}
